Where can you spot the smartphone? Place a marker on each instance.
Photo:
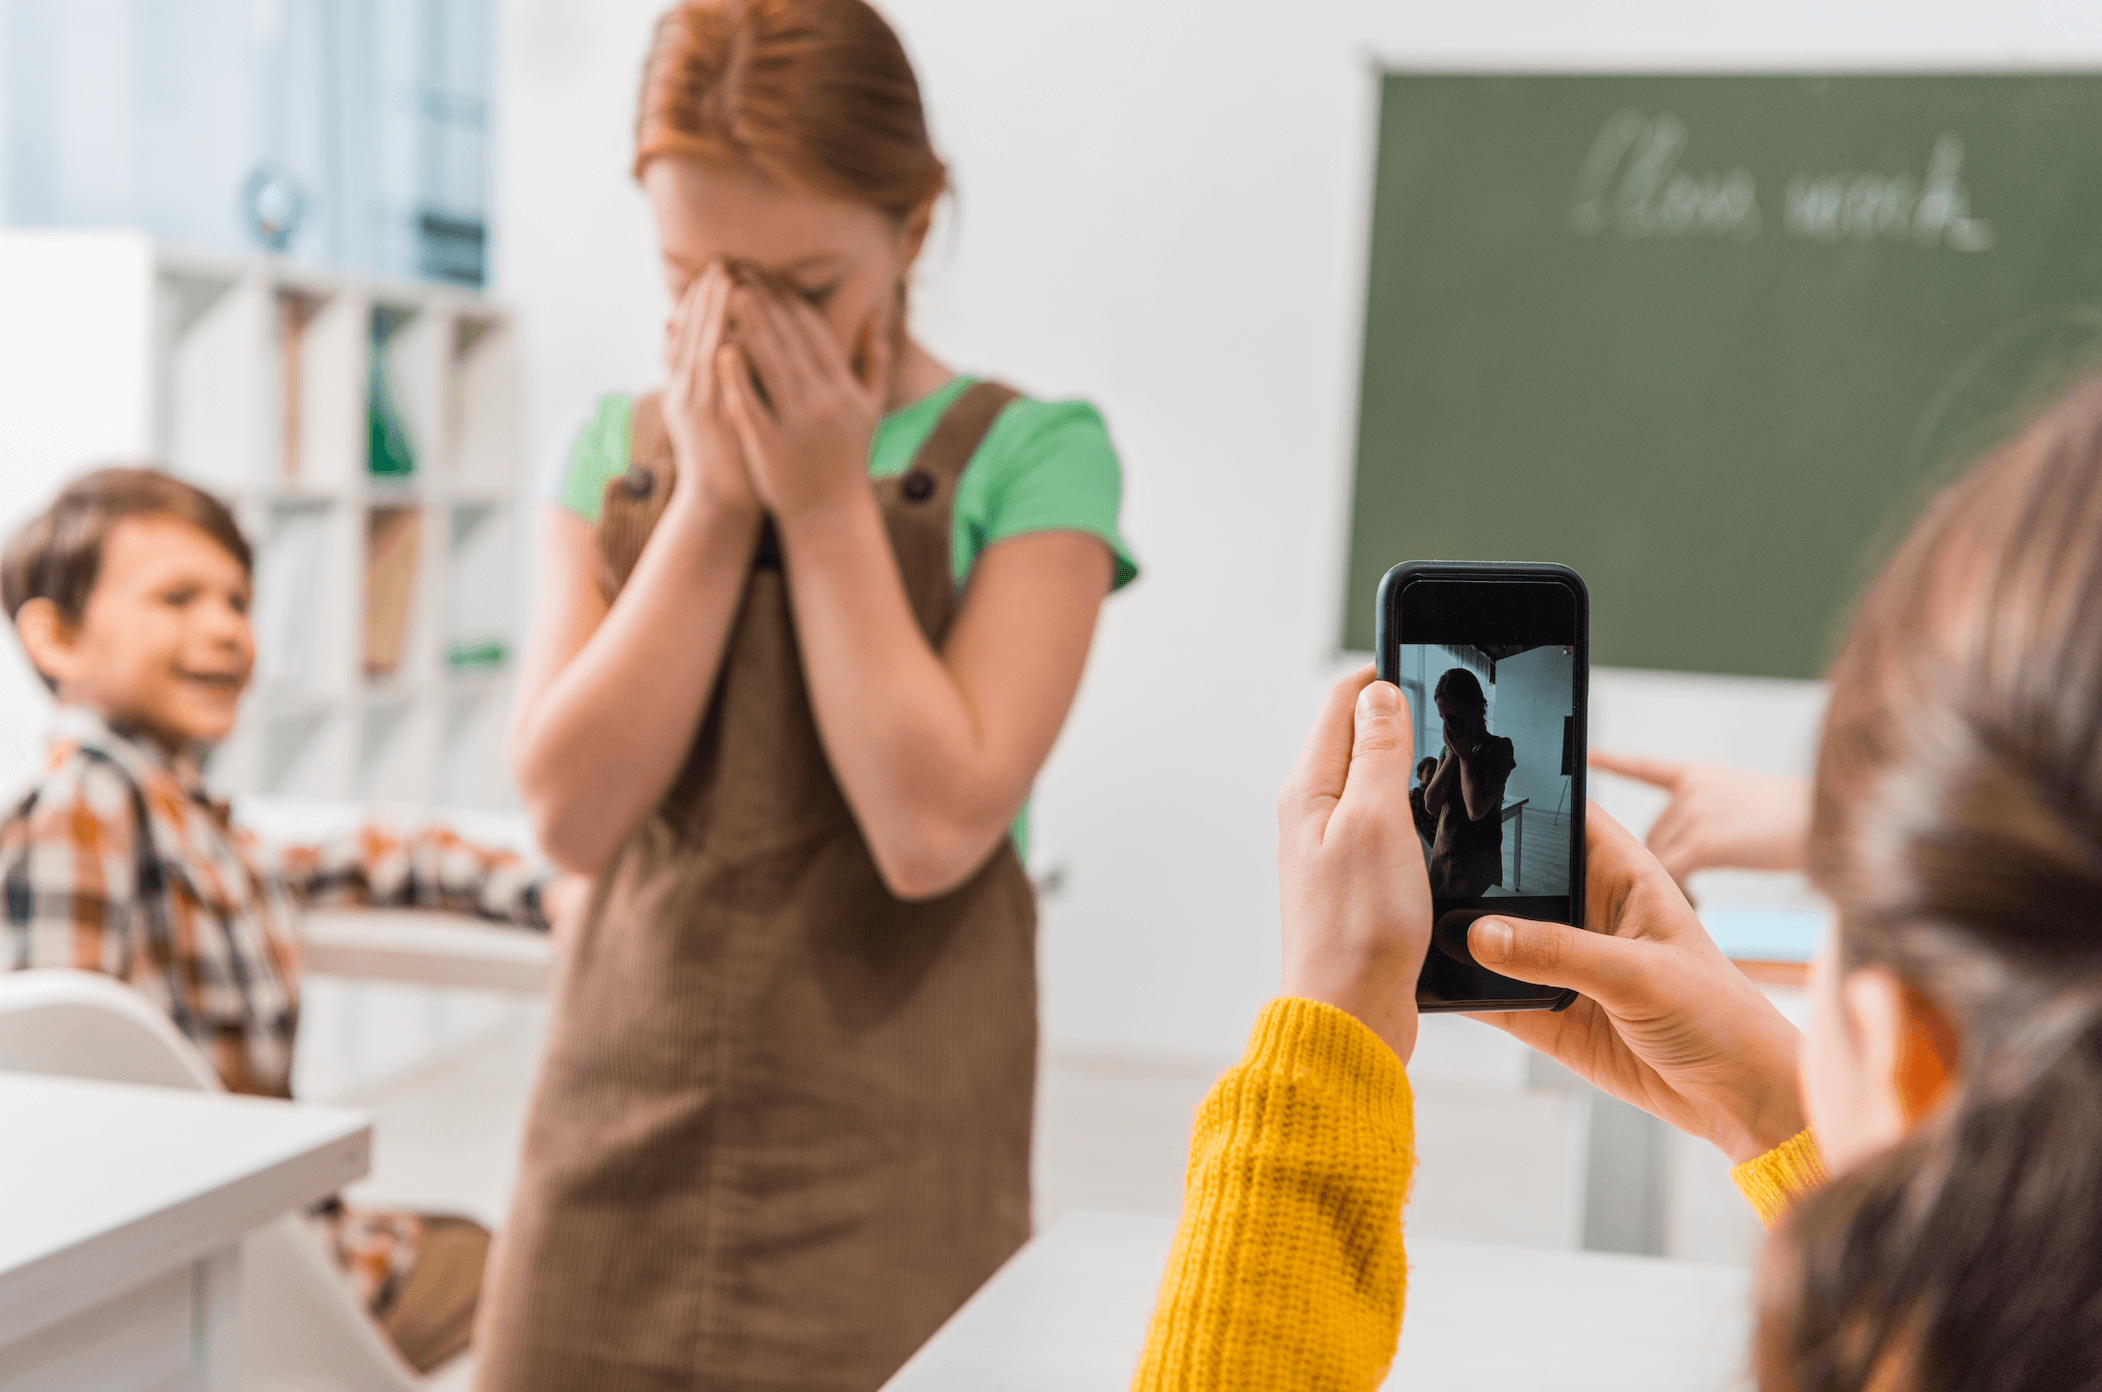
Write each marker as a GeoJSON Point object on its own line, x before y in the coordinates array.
{"type": "Point", "coordinates": [1494, 661]}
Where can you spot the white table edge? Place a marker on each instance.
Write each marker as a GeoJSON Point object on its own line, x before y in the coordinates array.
{"type": "Point", "coordinates": [959, 1356]}
{"type": "Point", "coordinates": [405, 945]}
{"type": "Point", "coordinates": [68, 1280]}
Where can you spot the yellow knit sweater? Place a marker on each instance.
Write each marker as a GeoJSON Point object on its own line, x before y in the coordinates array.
{"type": "Point", "coordinates": [1287, 1270]}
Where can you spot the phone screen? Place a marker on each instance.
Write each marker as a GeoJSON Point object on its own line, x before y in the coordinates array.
{"type": "Point", "coordinates": [1494, 667]}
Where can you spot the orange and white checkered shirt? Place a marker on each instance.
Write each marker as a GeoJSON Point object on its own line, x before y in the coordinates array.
{"type": "Point", "coordinates": [116, 860]}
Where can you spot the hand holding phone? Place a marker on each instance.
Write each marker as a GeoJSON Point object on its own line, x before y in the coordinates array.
{"type": "Point", "coordinates": [1495, 662]}
{"type": "Point", "coordinates": [1665, 1021]}
{"type": "Point", "coordinates": [1356, 905]}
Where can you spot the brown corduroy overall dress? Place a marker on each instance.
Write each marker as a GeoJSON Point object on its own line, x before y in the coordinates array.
{"type": "Point", "coordinates": [782, 1127]}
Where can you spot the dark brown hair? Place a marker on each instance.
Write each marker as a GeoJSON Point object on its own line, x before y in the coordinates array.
{"type": "Point", "coordinates": [817, 93]}
{"type": "Point", "coordinates": [1461, 688]}
{"type": "Point", "coordinates": [57, 554]}
{"type": "Point", "coordinates": [1958, 831]}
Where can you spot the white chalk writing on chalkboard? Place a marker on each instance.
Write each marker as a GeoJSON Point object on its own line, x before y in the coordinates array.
{"type": "Point", "coordinates": [1631, 184]}
{"type": "Point", "coordinates": [1866, 206]}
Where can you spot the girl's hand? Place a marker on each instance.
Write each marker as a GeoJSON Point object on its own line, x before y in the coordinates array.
{"type": "Point", "coordinates": [705, 446]}
{"type": "Point", "coordinates": [1720, 816]}
{"type": "Point", "coordinates": [1463, 736]}
{"type": "Point", "coordinates": [807, 437]}
{"type": "Point", "coordinates": [1355, 897]}
{"type": "Point", "coordinates": [1665, 1021]}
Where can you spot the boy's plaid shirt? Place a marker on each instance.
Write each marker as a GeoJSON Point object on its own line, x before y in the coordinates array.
{"type": "Point", "coordinates": [117, 861]}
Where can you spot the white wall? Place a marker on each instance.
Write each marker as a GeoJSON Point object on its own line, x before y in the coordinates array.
{"type": "Point", "coordinates": [73, 391]}
{"type": "Point", "coordinates": [1532, 706]}
{"type": "Point", "coordinates": [1163, 207]}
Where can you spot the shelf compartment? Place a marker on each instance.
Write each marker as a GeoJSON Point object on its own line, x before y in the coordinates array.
{"type": "Point", "coordinates": [472, 770]}
{"type": "Point", "coordinates": [481, 405]}
{"type": "Point", "coordinates": [213, 333]}
{"type": "Point", "coordinates": [479, 590]}
{"type": "Point", "coordinates": [303, 752]}
{"type": "Point", "coordinates": [406, 389]}
{"type": "Point", "coordinates": [397, 752]}
{"type": "Point", "coordinates": [393, 619]}
{"type": "Point", "coordinates": [301, 611]}
{"type": "Point", "coordinates": [319, 338]}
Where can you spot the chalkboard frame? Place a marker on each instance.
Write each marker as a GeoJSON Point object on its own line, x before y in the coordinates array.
{"type": "Point", "coordinates": [1808, 643]}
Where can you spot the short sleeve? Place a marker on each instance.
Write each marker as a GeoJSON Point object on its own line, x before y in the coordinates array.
{"type": "Point", "coordinates": [1053, 469]}
{"type": "Point", "coordinates": [590, 451]}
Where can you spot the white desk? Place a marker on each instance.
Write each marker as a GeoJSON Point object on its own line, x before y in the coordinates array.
{"type": "Point", "coordinates": [434, 949]}
{"type": "Point", "coordinates": [1069, 1314]}
{"type": "Point", "coordinates": [121, 1216]}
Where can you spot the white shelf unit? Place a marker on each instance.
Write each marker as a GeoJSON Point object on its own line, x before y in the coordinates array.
{"type": "Point", "coordinates": [250, 377]}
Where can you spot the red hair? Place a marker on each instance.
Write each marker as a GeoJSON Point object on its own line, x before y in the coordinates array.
{"type": "Point", "coordinates": [816, 93]}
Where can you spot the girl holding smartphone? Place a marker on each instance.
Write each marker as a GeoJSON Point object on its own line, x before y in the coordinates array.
{"type": "Point", "coordinates": [1930, 1151]}
{"type": "Point", "coordinates": [810, 621]}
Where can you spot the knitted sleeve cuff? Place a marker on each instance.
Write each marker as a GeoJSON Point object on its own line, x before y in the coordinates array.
{"type": "Point", "coordinates": [1772, 1181]}
{"type": "Point", "coordinates": [1335, 1051]}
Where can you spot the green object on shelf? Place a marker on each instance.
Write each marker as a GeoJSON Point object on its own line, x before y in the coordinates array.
{"type": "Point", "coordinates": [488, 653]}
{"type": "Point", "coordinates": [388, 452]}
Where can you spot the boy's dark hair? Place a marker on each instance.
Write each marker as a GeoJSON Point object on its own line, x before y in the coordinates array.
{"type": "Point", "coordinates": [57, 554]}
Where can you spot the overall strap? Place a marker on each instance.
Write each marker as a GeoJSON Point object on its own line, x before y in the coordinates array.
{"type": "Point", "coordinates": [918, 504]}
{"type": "Point", "coordinates": [633, 501]}
{"type": "Point", "coordinates": [957, 435]}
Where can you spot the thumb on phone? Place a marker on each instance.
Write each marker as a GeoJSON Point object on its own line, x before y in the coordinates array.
{"type": "Point", "coordinates": [1597, 965]}
{"type": "Point", "coordinates": [1380, 734]}
{"type": "Point", "coordinates": [1382, 759]}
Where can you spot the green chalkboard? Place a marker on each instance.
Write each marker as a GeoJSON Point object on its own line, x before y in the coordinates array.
{"type": "Point", "coordinates": [1708, 339]}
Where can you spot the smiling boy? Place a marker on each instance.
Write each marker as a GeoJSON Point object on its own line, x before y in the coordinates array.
{"type": "Point", "coordinates": [130, 594]}
{"type": "Point", "coordinates": [150, 628]}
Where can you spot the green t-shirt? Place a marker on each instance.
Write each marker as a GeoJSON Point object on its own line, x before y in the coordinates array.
{"type": "Point", "coordinates": [1044, 466]}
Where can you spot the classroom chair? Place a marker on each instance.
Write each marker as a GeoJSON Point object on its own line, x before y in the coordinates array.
{"type": "Point", "coordinates": [303, 1331]}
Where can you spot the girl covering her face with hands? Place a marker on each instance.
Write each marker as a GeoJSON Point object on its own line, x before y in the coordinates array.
{"type": "Point", "coordinates": [1466, 793]}
{"type": "Point", "coordinates": [1952, 1074]}
{"type": "Point", "coordinates": [811, 619]}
